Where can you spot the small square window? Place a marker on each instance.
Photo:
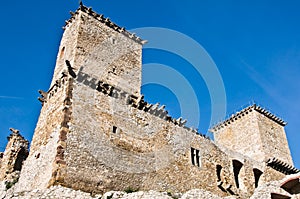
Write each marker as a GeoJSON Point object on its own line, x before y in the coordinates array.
{"type": "Point", "coordinates": [114, 129]}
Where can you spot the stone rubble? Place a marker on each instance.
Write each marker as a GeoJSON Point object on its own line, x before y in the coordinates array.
{"type": "Point", "coordinates": [60, 192]}
{"type": "Point", "coordinates": [67, 193]}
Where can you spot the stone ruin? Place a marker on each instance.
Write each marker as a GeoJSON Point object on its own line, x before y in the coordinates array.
{"type": "Point", "coordinates": [96, 133]}
{"type": "Point", "coordinates": [12, 159]}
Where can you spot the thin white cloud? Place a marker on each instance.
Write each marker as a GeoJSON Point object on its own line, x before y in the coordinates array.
{"type": "Point", "coordinates": [10, 97]}
{"type": "Point", "coordinates": [266, 84]}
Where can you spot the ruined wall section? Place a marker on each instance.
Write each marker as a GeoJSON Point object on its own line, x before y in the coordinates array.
{"type": "Point", "coordinates": [15, 153]}
{"type": "Point", "coordinates": [241, 134]}
{"type": "Point", "coordinates": [274, 139]}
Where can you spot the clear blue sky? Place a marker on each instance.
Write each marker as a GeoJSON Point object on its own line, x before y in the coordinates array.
{"type": "Point", "coordinates": [254, 44]}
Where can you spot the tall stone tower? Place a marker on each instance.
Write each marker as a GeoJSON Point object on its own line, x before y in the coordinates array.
{"type": "Point", "coordinates": [96, 133]}
{"type": "Point", "coordinates": [96, 59]}
{"type": "Point", "coordinates": [256, 133]}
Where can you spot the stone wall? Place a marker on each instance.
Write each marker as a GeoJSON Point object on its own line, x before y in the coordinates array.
{"type": "Point", "coordinates": [274, 139]}
{"type": "Point", "coordinates": [256, 133]}
{"type": "Point", "coordinates": [42, 161]}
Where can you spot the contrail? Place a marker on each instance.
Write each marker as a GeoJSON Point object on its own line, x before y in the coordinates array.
{"type": "Point", "coordinates": [10, 97]}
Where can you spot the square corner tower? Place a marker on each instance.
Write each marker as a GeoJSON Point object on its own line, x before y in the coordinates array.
{"type": "Point", "coordinates": [256, 133]}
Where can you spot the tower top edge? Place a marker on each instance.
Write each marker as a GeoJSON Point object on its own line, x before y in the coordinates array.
{"type": "Point", "coordinates": [245, 111]}
{"type": "Point", "coordinates": [106, 21]}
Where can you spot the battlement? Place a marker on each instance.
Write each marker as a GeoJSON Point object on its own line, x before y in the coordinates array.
{"type": "Point", "coordinates": [106, 21]}
{"type": "Point", "coordinates": [282, 166]}
{"type": "Point", "coordinates": [244, 112]}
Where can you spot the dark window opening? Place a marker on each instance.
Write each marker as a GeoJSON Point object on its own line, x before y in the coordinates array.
{"type": "Point", "coordinates": [192, 156]}
{"type": "Point", "coordinates": [195, 157]}
{"type": "Point", "coordinates": [114, 130]}
{"type": "Point", "coordinates": [219, 169]}
{"type": "Point", "coordinates": [237, 165]}
{"type": "Point", "coordinates": [1, 155]}
{"type": "Point", "coordinates": [37, 156]}
{"type": "Point", "coordinates": [279, 196]}
{"type": "Point", "coordinates": [257, 174]}
{"type": "Point", "coordinates": [22, 155]}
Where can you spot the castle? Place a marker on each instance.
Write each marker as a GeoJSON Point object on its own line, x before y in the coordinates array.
{"type": "Point", "coordinates": [96, 133]}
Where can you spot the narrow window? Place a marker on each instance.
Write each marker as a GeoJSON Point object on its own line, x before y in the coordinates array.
{"type": "Point", "coordinates": [219, 169]}
{"type": "Point", "coordinates": [114, 130]}
{"type": "Point", "coordinates": [192, 155]}
{"type": "Point", "coordinates": [198, 158]}
{"type": "Point", "coordinates": [257, 173]}
{"type": "Point", "coordinates": [195, 157]}
{"type": "Point", "coordinates": [237, 165]}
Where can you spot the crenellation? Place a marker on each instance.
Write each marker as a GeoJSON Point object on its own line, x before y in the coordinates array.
{"type": "Point", "coordinates": [107, 22]}
{"type": "Point", "coordinates": [244, 112]}
{"type": "Point", "coordinates": [282, 166]}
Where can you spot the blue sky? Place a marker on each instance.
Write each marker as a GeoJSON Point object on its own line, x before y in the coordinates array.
{"type": "Point", "coordinates": [254, 44]}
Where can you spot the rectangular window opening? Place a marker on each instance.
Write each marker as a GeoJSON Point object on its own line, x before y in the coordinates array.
{"type": "Point", "coordinates": [114, 130]}
{"type": "Point", "coordinates": [195, 157]}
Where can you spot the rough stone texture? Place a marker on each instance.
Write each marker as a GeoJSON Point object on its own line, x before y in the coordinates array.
{"type": "Point", "coordinates": [274, 139]}
{"type": "Point", "coordinates": [254, 134]}
{"type": "Point", "coordinates": [197, 193]}
{"type": "Point", "coordinates": [270, 190]}
{"type": "Point", "coordinates": [95, 132]}
{"type": "Point", "coordinates": [16, 152]}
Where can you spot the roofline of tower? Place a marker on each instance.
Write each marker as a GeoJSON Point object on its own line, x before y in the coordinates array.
{"type": "Point", "coordinates": [106, 21]}
{"type": "Point", "coordinates": [245, 111]}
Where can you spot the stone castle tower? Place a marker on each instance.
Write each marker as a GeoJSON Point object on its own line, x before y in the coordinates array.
{"type": "Point", "coordinates": [256, 133]}
{"type": "Point", "coordinates": [96, 133]}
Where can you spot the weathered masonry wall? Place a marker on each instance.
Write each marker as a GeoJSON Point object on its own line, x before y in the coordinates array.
{"type": "Point", "coordinates": [118, 146]}
{"type": "Point", "coordinates": [38, 167]}
{"type": "Point", "coordinates": [242, 135]}
{"type": "Point", "coordinates": [274, 139]}
{"type": "Point", "coordinates": [106, 52]}
{"type": "Point", "coordinates": [15, 153]}
{"type": "Point", "coordinates": [255, 133]}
